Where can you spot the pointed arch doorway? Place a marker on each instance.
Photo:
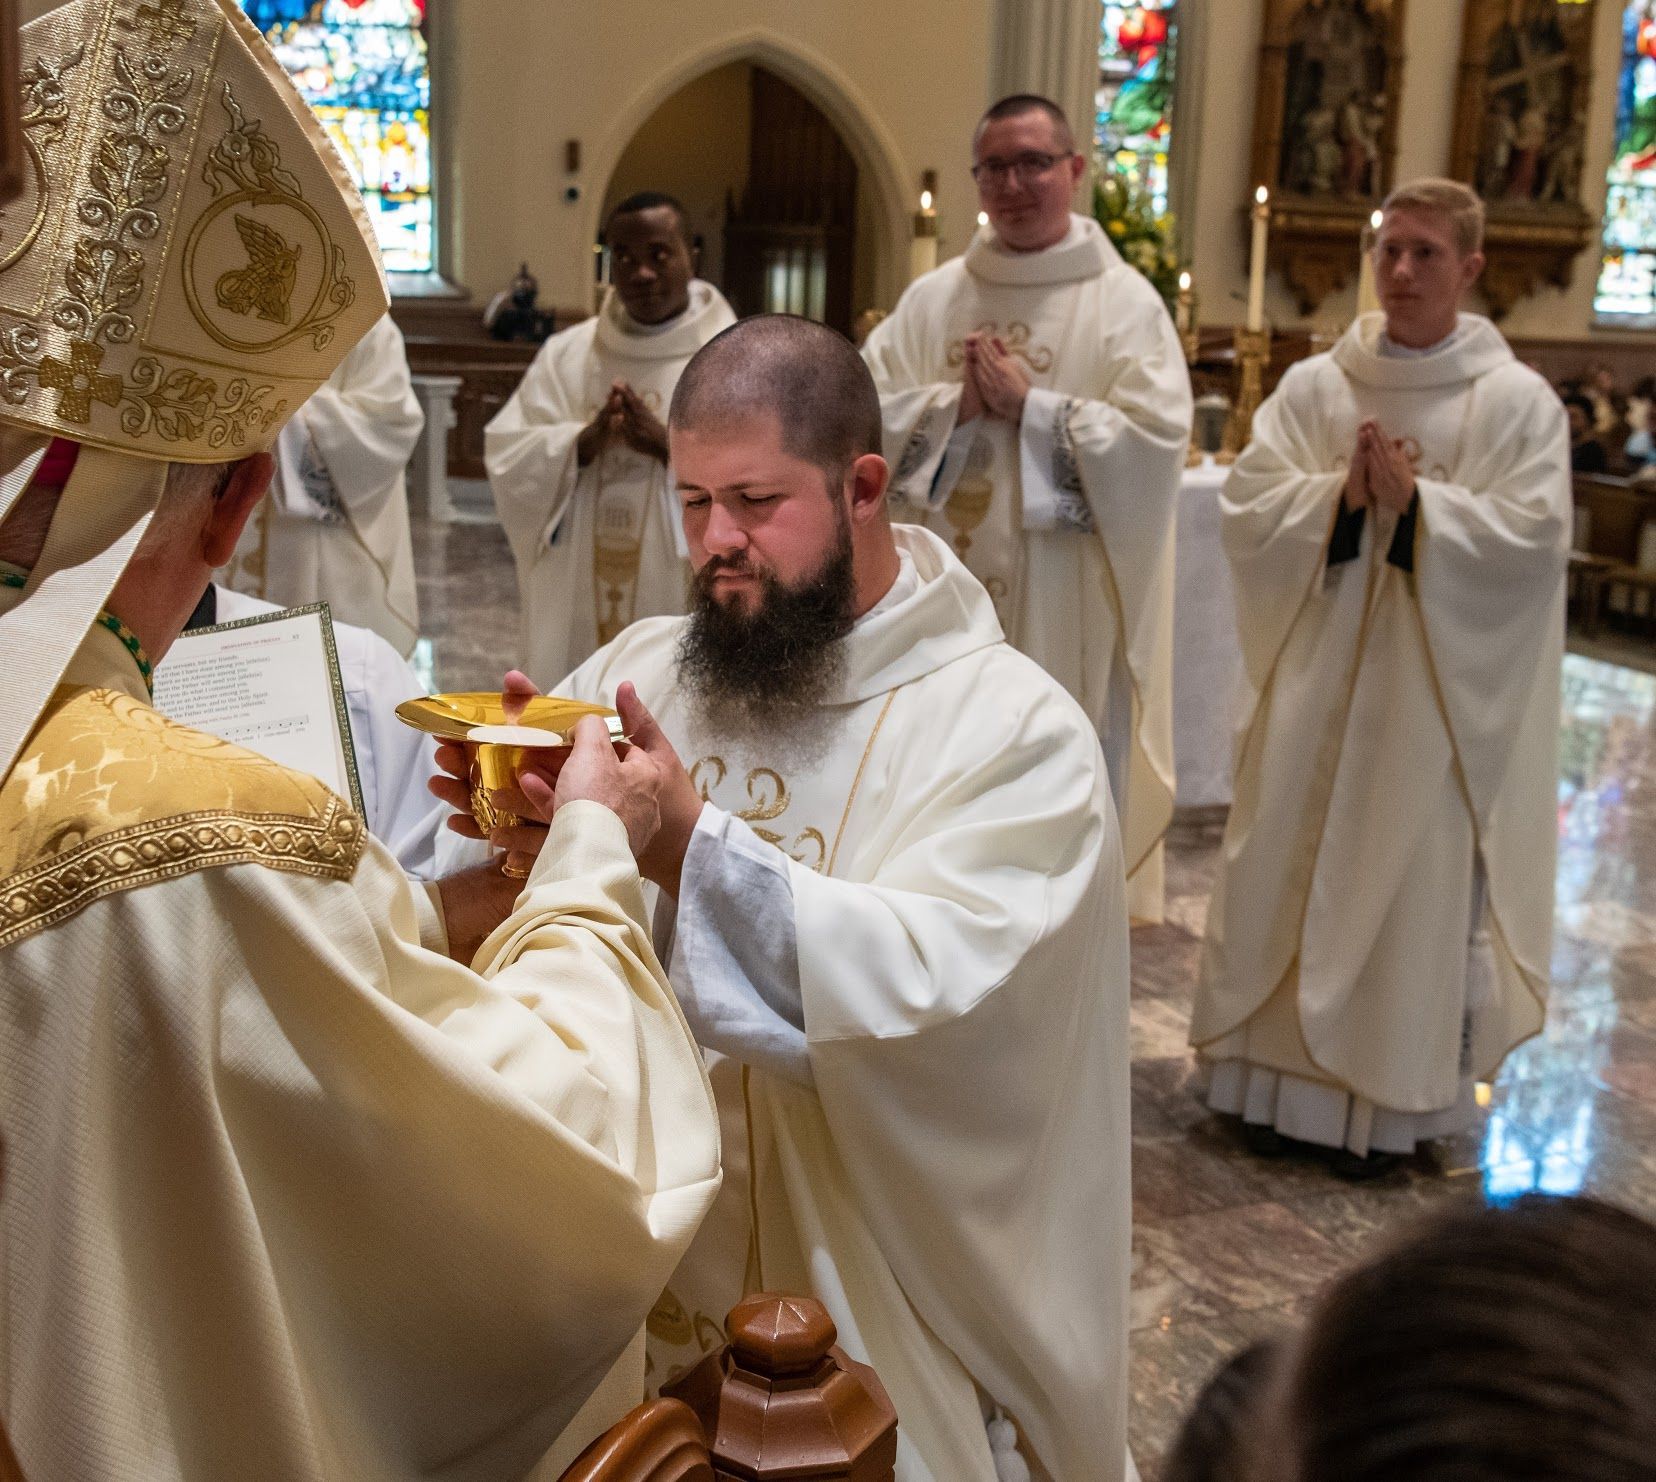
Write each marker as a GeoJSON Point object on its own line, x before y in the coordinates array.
{"type": "Point", "coordinates": [784, 217]}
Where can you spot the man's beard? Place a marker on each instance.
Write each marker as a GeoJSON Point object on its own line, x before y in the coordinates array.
{"type": "Point", "coordinates": [766, 672]}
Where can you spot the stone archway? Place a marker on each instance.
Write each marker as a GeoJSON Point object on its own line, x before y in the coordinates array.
{"type": "Point", "coordinates": [836, 96]}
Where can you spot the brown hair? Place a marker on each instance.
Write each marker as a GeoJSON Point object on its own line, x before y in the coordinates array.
{"type": "Point", "coordinates": [1491, 1344]}
{"type": "Point", "coordinates": [1460, 203]}
{"type": "Point", "coordinates": [808, 376]}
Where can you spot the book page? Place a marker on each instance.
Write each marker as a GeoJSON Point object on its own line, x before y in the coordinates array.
{"type": "Point", "coordinates": [270, 683]}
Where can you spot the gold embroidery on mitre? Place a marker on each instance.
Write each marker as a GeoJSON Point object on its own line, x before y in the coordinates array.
{"type": "Point", "coordinates": [45, 115]}
{"type": "Point", "coordinates": [109, 795]}
{"type": "Point", "coordinates": [128, 177]}
{"type": "Point", "coordinates": [246, 163]}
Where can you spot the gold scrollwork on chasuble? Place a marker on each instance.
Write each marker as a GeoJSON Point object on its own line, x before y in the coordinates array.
{"type": "Point", "coordinates": [768, 800]}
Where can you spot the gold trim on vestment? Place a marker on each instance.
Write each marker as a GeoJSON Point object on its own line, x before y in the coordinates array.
{"type": "Point", "coordinates": [327, 847]}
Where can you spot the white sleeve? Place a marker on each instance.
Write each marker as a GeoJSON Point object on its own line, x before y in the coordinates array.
{"type": "Point", "coordinates": [735, 964]}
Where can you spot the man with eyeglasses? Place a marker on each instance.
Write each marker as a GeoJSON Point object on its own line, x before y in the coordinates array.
{"type": "Point", "coordinates": [1037, 410]}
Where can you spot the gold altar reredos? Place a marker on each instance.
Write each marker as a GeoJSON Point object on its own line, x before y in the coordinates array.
{"type": "Point", "coordinates": [166, 286]}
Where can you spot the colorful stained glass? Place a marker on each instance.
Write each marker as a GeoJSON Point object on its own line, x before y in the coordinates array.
{"type": "Point", "coordinates": [1133, 121]}
{"type": "Point", "coordinates": [362, 65]}
{"type": "Point", "coordinates": [1627, 278]}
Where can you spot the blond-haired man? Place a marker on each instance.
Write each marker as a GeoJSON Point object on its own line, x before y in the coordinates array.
{"type": "Point", "coordinates": [1398, 532]}
{"type": "Point", "coordinates": [311, 1173]}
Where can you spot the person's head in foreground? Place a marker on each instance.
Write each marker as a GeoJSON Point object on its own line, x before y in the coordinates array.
{"type": "Point", "coordinates": [1427, 254]}
{"type": "Point", "coordinates": [652, 256]}
{"type": "Point", "coordinates": [1492, 1344]}
{"type": "Point", "coordinates": [1026, 167]}
{"type": "Point", "coordinates": [165, 322]}
{"type": "Point", "coordinates": [1215, 1442]}
{"type": "Point", "coordinates": [775, 433]}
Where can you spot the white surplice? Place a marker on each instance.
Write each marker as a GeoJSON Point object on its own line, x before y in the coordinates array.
{"type": "Point", "coordinates": [334, 527]}
{"type": "Point", "coordinates": [1067, 518]}
{"type": "Point", "coordinates": [938, 1145]}
{"type": "Point", "coordinates": [289, 1193]}
{"type": "Point", "coordinates": [394, 762]}
{"type": "Point", "coordinates": [1398, 761]}
{"type": "Point", "coordinates": [600, 546]}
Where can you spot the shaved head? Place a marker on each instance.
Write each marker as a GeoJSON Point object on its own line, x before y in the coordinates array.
{"type": "Point", "coordinates": [1021, 103]}
{"type": "Point", "coordinates": [807, 376]}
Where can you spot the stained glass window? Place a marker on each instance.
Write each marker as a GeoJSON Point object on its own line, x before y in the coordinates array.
{"type": "Point", "coordinates": [1627, 278]}
{"type": "Point", "coordinates": [362, 66]}
{"type": "Point", "coordinates": [1133, 119]}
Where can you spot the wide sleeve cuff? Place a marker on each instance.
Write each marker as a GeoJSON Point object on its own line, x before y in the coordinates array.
{"type": "Point", "coordinates": [1050, 475]}
{"type": "Point", "coordinates": [735, 964]}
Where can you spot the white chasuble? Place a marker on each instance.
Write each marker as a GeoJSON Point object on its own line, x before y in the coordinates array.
{"type": "Point", "coordinates": [948, 1169]}
{"type": "Point", "coordinates": [288, 1192]}
{"type": "Point", "coordinates": [334, 527]}
{"type": "Point", "coordinates": [1400, 740]}
{"type": "Point", "coordinates": [1067, 519]}
{"type": "Point", "coordinates": [597, 547]}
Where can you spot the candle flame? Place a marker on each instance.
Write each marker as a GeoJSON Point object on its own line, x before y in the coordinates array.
{"type": "Point", "coordinates": [983, 218]}
{"type": "Point", "coordinates": [1184, 282]}
{"type": "Point", "coordinates": [1376, 220]}
{"type": "Point", "coordinates": [925, 200]}
{"type": "Point", "coordinates": [1262, 195]}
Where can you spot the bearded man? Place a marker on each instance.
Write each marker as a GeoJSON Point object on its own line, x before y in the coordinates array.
{"type": "Point", "coordinates": [893, 905]}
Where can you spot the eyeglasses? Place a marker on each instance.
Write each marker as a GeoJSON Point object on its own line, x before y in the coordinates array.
{"type": "Point", "coordinates": [1024, 167]}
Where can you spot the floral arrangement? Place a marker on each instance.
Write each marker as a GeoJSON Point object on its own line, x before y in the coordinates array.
{"type": "Point", "coordinates": [1141, 236]}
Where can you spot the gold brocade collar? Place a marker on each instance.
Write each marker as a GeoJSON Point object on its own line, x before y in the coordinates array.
{"type": "Point", "coordinates": [16, 576]}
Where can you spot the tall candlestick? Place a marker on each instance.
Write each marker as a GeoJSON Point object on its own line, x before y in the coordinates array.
{"type": "Point", "coordinates": [1256, 262]}
{"type": "Point", "coordinates": [923, 249]}
{"type": "Point", "coordinates": [1368, 296]}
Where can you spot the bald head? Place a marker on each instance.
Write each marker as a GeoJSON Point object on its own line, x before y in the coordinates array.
{"type": "Point", "coordinates": [807, 376]}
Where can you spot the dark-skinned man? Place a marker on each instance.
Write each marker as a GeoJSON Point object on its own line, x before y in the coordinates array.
{"type": "Point", "coordinates": [578, 457]}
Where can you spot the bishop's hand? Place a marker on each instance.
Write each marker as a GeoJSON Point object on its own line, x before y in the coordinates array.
{"type": "Point", "coordinates": [452, 783]}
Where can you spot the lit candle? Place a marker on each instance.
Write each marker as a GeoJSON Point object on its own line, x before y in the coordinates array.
{"type": "Point", "coordinates": [923, 249]}
{"type": "Point", "coordinates": [1184, 313]}
{"type": "Point", "coordinates": [983, 218]}
{"type": "Point", "coordinates": [1368, 296]}
{"type": "Point", "coordinates": [1256, 263]}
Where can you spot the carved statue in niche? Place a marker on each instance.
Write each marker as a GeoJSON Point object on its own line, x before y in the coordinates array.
{"type": "Point", "coordinates": [1530, 86]}
{"type": "Point", "coordinates": [1335, 100]}
{"type": "Point", "coordinates": [1519, 138]}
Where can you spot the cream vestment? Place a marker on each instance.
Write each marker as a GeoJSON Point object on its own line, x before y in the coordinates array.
{"type": "Point", "coordinates": [600, 546]}
{"type": "Point", "coordinates": [1400, 743]}
{"type": "Point", "coordinates": [943, 1158]}
{"type": "Point", "coordinates": [1067, 518]}
{"type": "Point", "coordinates": [288, 1192]}
{"type": "Point", "coordinates": [335, 527]}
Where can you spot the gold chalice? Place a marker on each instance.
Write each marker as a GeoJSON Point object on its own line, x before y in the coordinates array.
{"type": "Point", "coordinates": [500, 741]}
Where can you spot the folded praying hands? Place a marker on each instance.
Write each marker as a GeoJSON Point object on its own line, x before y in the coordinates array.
{"type": "Point", "coordinates": [995, 383]}
{"type": "Point", "coordinates": [625, 416]}
{"type": "Point", "coordinates": [1380, 475]}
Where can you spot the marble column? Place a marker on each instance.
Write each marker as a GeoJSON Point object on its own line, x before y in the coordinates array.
{"type": "Point", "coordinates": [428, 470]}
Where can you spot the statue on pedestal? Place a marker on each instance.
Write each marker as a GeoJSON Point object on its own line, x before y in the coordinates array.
{"type": "Point", "coordinates": [512, 313]}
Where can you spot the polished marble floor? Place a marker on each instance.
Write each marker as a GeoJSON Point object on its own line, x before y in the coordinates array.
{"type": "Point", "coordinates": [1227, 1247]}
